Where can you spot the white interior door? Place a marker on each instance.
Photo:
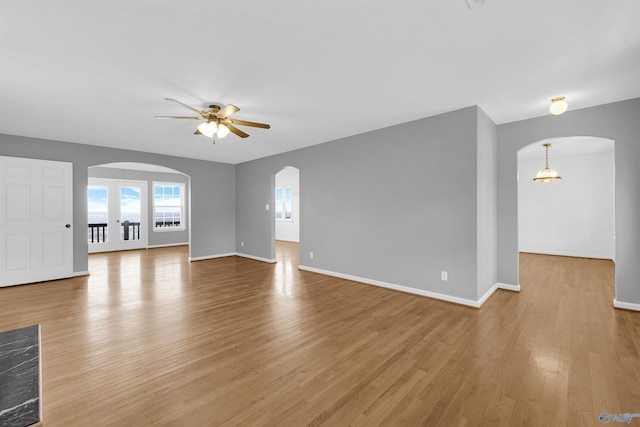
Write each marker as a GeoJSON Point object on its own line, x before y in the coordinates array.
{"type": "Point", "coordinates": [36, 213]}
{"type": "Point", "coordinates": [117, 215]}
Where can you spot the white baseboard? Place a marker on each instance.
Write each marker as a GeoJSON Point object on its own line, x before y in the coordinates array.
{"type": "Point", "coordinates": [435, 295]}
{"type": "Point", "coordinates": [257, 258]}
{"type": "Point", "coordinates": [167, 245]}
{"type": "Point", "coordinates": [202, 258]}
{"type": "Point", "coordinates": [487, 294]}
{"type": "Point", "coordinates": [80, 273]}
{"type": "Point", "coordinates": [626, 305]}
{"type": "Point", "coordinates": [507, 287]}
{"type": "Point", "coordinates": [498, 285]}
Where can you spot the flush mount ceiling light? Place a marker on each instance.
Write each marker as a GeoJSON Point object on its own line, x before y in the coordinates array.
{"type": "Point", "coordinates": [547, 174]}
{"type": "Point", "coordinates": [558, 106]}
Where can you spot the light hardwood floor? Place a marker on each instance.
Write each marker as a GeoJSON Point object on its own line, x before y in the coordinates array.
{"type": "Point", "coordinates": [151, 339]}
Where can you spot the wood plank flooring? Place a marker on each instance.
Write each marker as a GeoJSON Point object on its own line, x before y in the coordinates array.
{"type": "Point", "coordinates": [151, 339]}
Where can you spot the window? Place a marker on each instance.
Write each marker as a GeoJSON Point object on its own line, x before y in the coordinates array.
{"type": "Point", "coordinates": [98, 213]}
{"type": "Point", "coordinates": [284, 203]}
{"type": "Point", "coordinates": [168, 206]}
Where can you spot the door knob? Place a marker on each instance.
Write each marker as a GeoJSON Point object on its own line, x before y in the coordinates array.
{"type": "Point", "coordinates": [68, 225]}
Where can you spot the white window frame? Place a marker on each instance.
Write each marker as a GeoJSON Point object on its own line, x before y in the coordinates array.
{"type": "Point", "coordinates": [182, 225]}
{"type": "Point", "coordinates": [284, 202]}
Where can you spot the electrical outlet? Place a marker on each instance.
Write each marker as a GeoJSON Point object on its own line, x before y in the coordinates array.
{"type": "Point", "coordinates": [444, 276]}
{"type": "Point", "coordinates": [310, 255]}
{"type": "Point", "coordinates": [242, 244]}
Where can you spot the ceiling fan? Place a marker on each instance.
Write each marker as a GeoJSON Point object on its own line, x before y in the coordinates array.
{"type": "Point", "coordinates": [216, 120]}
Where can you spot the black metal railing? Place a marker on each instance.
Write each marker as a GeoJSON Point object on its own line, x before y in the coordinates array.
{"type": "Point", "coordinates": [98, 231]}
{"type": "Point", "coordinates": [131, 230]}
{"type": "Point", "coordinates": [167, 224]}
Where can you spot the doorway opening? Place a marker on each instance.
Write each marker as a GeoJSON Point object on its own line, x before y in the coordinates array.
{"type": "Point", "coordinates": [567, 227]}
{"type": "Point", "coordinates": [286, 214]}
{"type": "Point", "coordinates": [121, 216]}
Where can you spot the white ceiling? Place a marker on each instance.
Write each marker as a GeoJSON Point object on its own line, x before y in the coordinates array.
{"type": "Point", "coordinates": [96, 72]}
{"type": "Point", "coordinates": [138, 167]}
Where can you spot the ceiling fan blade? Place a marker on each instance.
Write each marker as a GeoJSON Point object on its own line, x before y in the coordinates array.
{"type": "Point", "coordinates": [237, 131]}
{"type": "Point", "coordinates": [197, 132]}
{"type": "Point", "coordinates": [227, 111]}
{"type": "Point", "coordinates": [185, 105]}
{"type": "Point", "coordinates": [254, 124]}
{"type": "Point", "coordinates": [177, 117]}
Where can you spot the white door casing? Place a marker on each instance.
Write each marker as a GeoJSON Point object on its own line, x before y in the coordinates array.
{"type": "Point", "coordinates": [36, 217]}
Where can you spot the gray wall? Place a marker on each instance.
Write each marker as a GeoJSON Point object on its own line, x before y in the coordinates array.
{"type": "Point", "coordinates": [619, 121]}
{"type": "Point", "coordinates": [212, 190]}
{"type": "Point", "coordinates": [396, 205]}
{"type": "Point", "coordinates": [155, 237]}
{"type": "Point", "coordinates": [487, 204]}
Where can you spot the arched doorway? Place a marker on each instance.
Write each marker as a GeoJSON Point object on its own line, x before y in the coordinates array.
{"type": "Point", "coordinates": [136, 205]}
{"type": "Point", "coordinates": [286, 214]}
{"type": "Point", "coordinates": [573, 217]}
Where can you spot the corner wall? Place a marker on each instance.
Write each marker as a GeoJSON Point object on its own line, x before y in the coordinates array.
{"type": "Point", "coordinates": [487, 217]}
{"type": "Point", "coordinates": [395, 205]}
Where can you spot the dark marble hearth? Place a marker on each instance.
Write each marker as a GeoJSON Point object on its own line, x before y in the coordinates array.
{"type": "Point", "coordinates": [20, 377]}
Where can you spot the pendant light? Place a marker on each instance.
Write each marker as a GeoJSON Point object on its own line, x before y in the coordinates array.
{"type": "Point", "coordinates": [547, 174]}
{"type": "Point", "coordinates": [558, 106]}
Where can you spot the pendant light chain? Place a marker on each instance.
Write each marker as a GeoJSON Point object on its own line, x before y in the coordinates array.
{"type": "Point", "coordinates": [546, 162]}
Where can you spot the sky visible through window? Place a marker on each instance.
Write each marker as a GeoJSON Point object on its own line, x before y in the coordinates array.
{"type": "Point", "coordinates": [98, 204]}
{"type": "Point", "coordinates": [130, 207]}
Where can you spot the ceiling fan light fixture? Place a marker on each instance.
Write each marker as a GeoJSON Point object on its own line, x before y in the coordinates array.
{"type": "Point", "coordinates": [216, 120]}
{"type": "Point", "coordinates": [208, 129]}
{"type": "Point", "coordinates": [222, 130]}
{"type": "Point", "coordinates": [558, 106]}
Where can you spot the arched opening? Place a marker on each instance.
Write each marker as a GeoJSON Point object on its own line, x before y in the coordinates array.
{"type": "Point", "coordinates": [286, 215]}
{"type": "Point", "coordinates": [136, 205]}
{"type": "Point", "coordinates": [568, 224]}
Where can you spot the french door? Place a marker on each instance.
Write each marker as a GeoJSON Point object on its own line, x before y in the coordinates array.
{"type": "Point", "coordinates": [117, 215]}
{"type": "Point", "coordinates": [36, 217]}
